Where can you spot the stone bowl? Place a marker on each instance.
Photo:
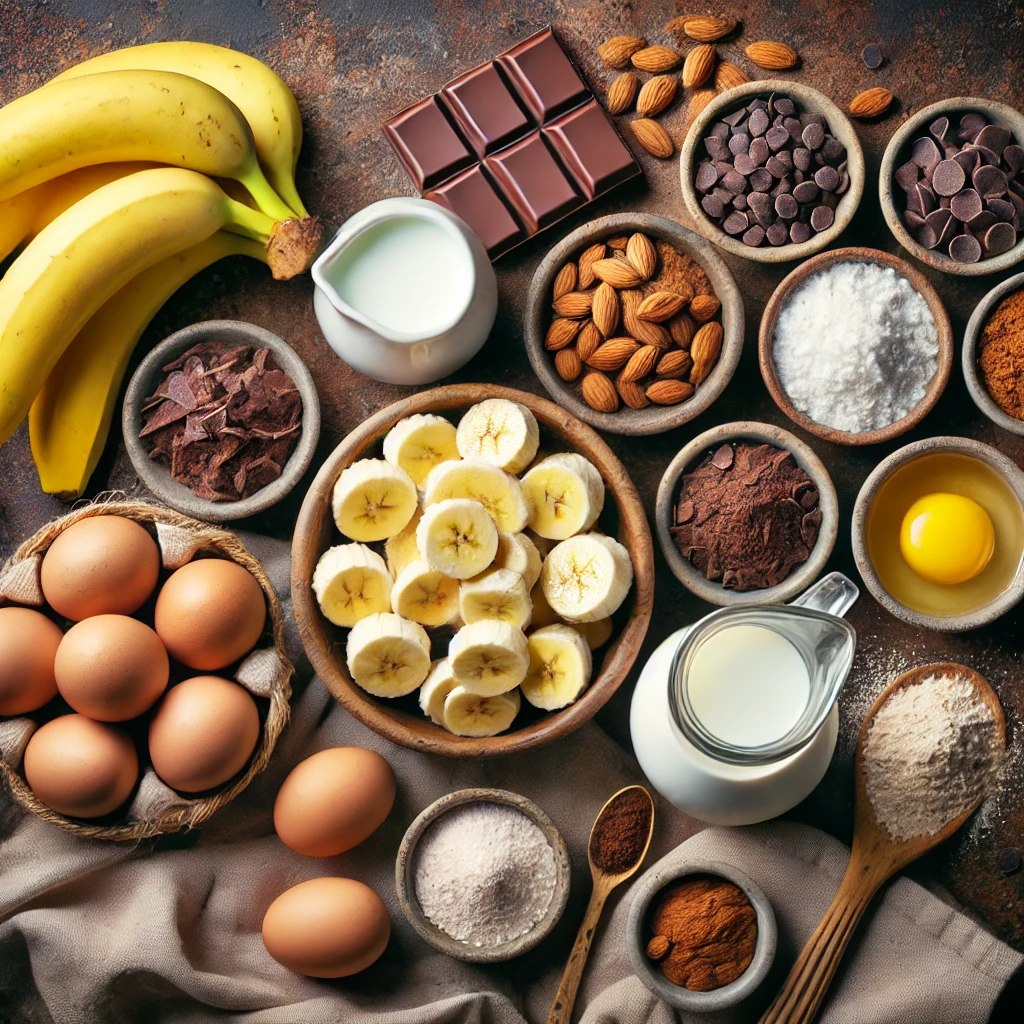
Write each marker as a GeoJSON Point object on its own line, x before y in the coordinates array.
{"type": "Point", "coordinates": [655, 419]}
{"type": "Point", "coordinates": [801, 577]}
{"type": "Point", "coordinates": [781, 295]}
{"type": "Point", "coordinates": [644, 892]}
{"type": "Point", "coordinates": [405, 866]}
{"type": "Point", "coordinates": [897, 152]}
{"type": "Point", "coordinates": [972, 336]}
{"type": "Point", "coordinates": [811, 101]}
{"type": "Point", "coordinates": [157, 477]}
{"type": "Point", "coordinates": [1013, 478]}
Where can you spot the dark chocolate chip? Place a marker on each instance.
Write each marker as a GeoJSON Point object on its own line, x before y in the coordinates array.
{"type": "Point", "coordinates": [939, 127]}
{"type": "Point", "coordinates": [785, 106]}
{"type": "Point", "coordinates": [758, 104]}
{"type": "Point", "coordinates": [1008, 861]}
{"type": "Point", "coordinates": [723, 457]}
{"type": "Point", "coordinates": [925, 153]}
{"type": "Point", "coordinates": [716, 148]}
{"type": "Point", "coordinates": [907, 175]}
{"type": "Point", "coordinates": [948, 178]}
{"type": "Point", "coordinates": [805, 192]}
{"type": "Point", "coordinates": [821, 218]}
{"type": "Point", "coordinates": [984, 220]}
{"type": "Point", "coordinates": [786, 206]}
{"type": "Point", "coordinates": [999, 238]}
{"type": "Point", "coordinates": [829, 199]}
{"type": "Point", "coordinates": [833, 151]}
{"type": "Point", "coordinates": [744, 164]}
{"type": "Point", "coordinates": [989, 182]}
{"type": "Point", "coordinates": [759, 151]}
{"type": "Point", "coordinates": [1013, 156]}
{"type": "Point", "coordinates": [913, 218]}
{"type": "Point", "coordinates": [777, 137]}
{"type": "Point", "coordinates": [777, 234]}
{"type": "Point", "coordinates": [736, 223]}
{"type": "Point", "coordinates": [723, 194]}
{"type": "Point", "coordinates": [776, 168]}
{"type": "Point", "coordinates": [844, 181]}
{"type": "Point", "coordinates": [872, 56]}
{"type": "Point", "coordinates": [994, 137]}
{"type": "Point", "coordinates": [952, 228]}
{"type": "Point", "coordinates": [759, 123]}
{"type": "Point", "coordinates": [761, 180]}
{"type": "Point", "coordinates": [733, 181]}
{"type": "Point", "coordinates": [739, 202]}
{"type": "Point", "coordinates": [949, 150]}
{"type": "Point", "coordinates": [761, 207]}
{"type": "Point", "coordinates": [988, 156]}
{"type": "Point", "coordinates": [966, 205]}
{"type": "Point", "coordinates": [712, 206]}
{"type": "Point", "coordinates": [1001, 209]}
{"type": "Point", "coordinates": [802, 158]}
{"type": "Point", "coordinates": [706, 177]}
{"type": "Point", "coordinates": [827, 179]}
{"type": "Point", "coordinates": [937, 219]}
{"type": "Point", "coordinates": [968, 159]}
{"type": "Point", "coordinates": [812, 117]}
{"type": "Point", "coordinates": [926, 236]}
{"type": "Point", "coordinates": [720, 130]}
{"type": "Point", "coordinates": [739, 143]}
{"type": "Point", "coordinates": [813, 135]}
{"type": "Point", "coordinates": [735, 117]}
{"type": "Point", "coordinates": [799, 231]}
{"type": "Point", "coordinates": [754, 236]}
{"type": "Point", "coordinates": [970, 125]}
{"type": "Point", "coordinates": [965, 249]}
{"type": "Point", "coordinates": [782, 187]}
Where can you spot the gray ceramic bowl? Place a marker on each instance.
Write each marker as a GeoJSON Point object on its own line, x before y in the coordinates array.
{"type": "Point", "coordinates": [1014, 479]}
{"type": "Point", "coordinates": [810, 100]}
{"type": "Point", "coordinates": [644, 892]}
{"type": "Point", "coordinates": [975, 385]}
{"type": "Point", "coordinates": [803, 576]}
{"type": "Point", "coordinates": [405, 865]}
{"type": "Point", "coordinates": [157, 477]}
{"type": "Point", "coordinates": [655, 418]}
{"type": "Point", "coordinates": [897, 152]}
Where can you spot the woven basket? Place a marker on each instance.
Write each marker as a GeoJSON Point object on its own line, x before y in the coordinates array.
{"type": "Point", "coordinates": [266, 672]}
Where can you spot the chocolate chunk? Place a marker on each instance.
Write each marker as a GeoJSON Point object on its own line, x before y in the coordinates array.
{"type": "Point", "coordinates": [758, 123]}
{"type": "Point", "coordinates": [872, 56]}
{"type": "Point", "coordinates": [805, 192]}
{"type": "Point", "coordinates": [754, 235]}
{"type": "Point", "coordinates": [744, 164]}
{"type": "Point", "coordinates": [733, 181]}
{"type": "Point", "coordinates": [591, 149]}
{"type": "Point", "coordinates": [776, 168]}
{"type": "Point", "coordinates": [994, 137]}
{"type": "Point", "coordinates": [813, 135]}
{"type": "Point", "coordinates": [761, 180]}
{"type": "Point", "coordinates": [939, 127]}
{"type": "Point", "coordinates": [706, 177]}
{"type": "Point", "coordinates": [427, 144]}
{"type": "Point", "coordinates": [999, 238]}
{"type": "Point", "coordinates": [965, 249]}
{"type": "Point", "coordinates": [777, 234]}
{"type": "Point", "coordinates": [1013, 157]}
{"type": "Point", "coordinates": [723, 457]}
{"type": "Point", "coordinates": [948, 178]}
{"type": "Point", "coordinates": [736, 223]}
{"type": "Point", "coordinates": [713, 207]}
{"type": "Point", "coordinates": [907, 175]}
{"type": "Point", "coordinates": [777, 137]}
{"type": "Point", "coordinates": [800, 232]}
{"type": "Point", "coordinates": [827, 179]}
{"type": "Point", "coordinates": [925, 153]}
{"type": "Point", "coordinates": [965, 205]}
{"type": "Point", "coordinates": [989, 182]}
{"type": "Point", "coordinates": [822, 218]}
{"type": "Point", "coordinates": [785, 106]}
{"type": "Point", "coordinates": [786, 207]}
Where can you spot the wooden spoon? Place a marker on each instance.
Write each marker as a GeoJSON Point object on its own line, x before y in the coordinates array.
{"type": "Point", "coordinates": [604, 882]}
{"type": "Point", "coordinates": [874, 858]}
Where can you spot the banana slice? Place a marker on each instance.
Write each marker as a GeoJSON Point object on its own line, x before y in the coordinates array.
{"type": "Point", "coordinates": [435, 689]}
{"type": "Point", "coordinates": [496, 594]}
{"type": "Point", "coordinates": [387, 655]}
{"type": "Point", "coordinates": [468, 714]}
{"type": "Point", "coordinates": [373, 500]}
{"type": "Point", "coordinates": [351, 581]}
{"type": "Point", "coordinates": [597, 634]}
{"type": "Point", "coordinates": [424, 595]}
{"type": "Point", "coordinates": [418, 443]}
{"type": "Point", "coordinates": [457, 537]}
{"type": "Point", "coordinates": [517, 552]}
{"type": "Point", "coordinates": [542, 544]}
{"type": "Point", "coordinates": [499, 492]}
{"type": "Point", "coordinates": [489, 657]}
{"type": "Point", "coordinates": [560, 667]}
{"type": "Point", "coordinates": [500, 432]}
{"type": "Point", "coordinates": [402, 549]}
{"type": "Point", "coordinates": [567, 494]}
{"type": "Point", "coordinates": [586, 578]}
{"type": "Point", "coordinates": [543, 613]}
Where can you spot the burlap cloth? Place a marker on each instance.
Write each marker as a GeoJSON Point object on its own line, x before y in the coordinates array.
{"type": "Point", "coordinates": [100, 932]}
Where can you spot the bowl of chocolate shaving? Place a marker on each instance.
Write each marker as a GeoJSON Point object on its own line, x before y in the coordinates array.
{"type": "Point", "coordinates": [221, 420]}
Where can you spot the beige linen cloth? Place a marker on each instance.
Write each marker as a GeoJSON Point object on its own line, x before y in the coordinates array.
{"type": "Point", "coordinates": [101, 933]}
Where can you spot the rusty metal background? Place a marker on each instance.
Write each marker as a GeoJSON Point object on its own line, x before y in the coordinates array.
{"type": "Point", "coordinates": [353, 64]}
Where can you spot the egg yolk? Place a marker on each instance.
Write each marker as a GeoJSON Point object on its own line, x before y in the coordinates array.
{"type": "Point", "coordinates": [946, 538]}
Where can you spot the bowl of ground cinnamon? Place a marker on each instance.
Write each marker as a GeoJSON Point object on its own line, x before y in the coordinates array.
{"type": "Point", "coordinates": [701, 935]}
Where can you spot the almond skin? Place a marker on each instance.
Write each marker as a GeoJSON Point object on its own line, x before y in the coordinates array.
{"type": "Point", "coordinates": [871, 103]}
{"type": "Point", "coordinates": [631, 393]}
{"type": "Point", "coordinates": [618, 273]}
{"type": "Point", "coordinates": [640, 363]}
{"type": "Point", "coordinates": [729, 75]}
{"type": "Point", "coordinates": [699, 99]}
{"type": "Point", "coordinates": [568, 364]}
{"type": "Point", "coordinates": [561, 333]}
{"type": "Point", "coordinates": [588, 341]}
{"type": "Point", "coordinates": [660, 306]}
{"type": "Point", "coordinates": [565, 281]}
{"type": "Point", "coordinates": [682, 328]}
{"type": "Point", "coordinates": [705, 349]}
{"type": "Point", "coordinates": [669, 392]}
{"type": "Point", "coordinates": [587, 260]}
{"type": "Point", "coordinates": [599, 392]}
{"type": "Point", "coordinates": [700, 27]}
{"type": "Point", "coordinates": [700, 62]}
{"type": "Point", "coordinates": [656, 94]}
{"type": "Point", "coordinates": [618, 243]}
{"type": "Point", "coordinates": [574, 305]}
{"type": "Point", "coordinates": [613, 354]}
{"type": "Point", "coordinates": [606, 309]}
{"type": "Point", "coordinates": [652, 137]}
{"type": "Point", "coordinates": [617, 51]}
{"type": "Point", "coordinates": [704, 307]}
{"type": "Point", "coordinates": [642, 255]}
{"type": "Point", "coordinates": [656, 59]}
{"type": "Point", "coordinates": [772, 56]}
{"type": "Point", "coordinates": [622, 92]}
{"type": "Point", "coordinates": [676, 363]}
{"type": "Point", "coordinates": [642, 330]}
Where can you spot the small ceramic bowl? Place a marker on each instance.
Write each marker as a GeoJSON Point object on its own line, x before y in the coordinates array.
{"type": "Point", "coordinates": [781, 295]}
{"type": "Point", "coordinates": [972, 336]}
{"type": "Point", "coordinates": [655, 418]}
{"type": "Point", "coordinates": [157, 477]}
{"type": "Point", "coordinates": [668, 490]}
{"type": "Point", "coordinates": [1011, 475]}
{"type": "Point", "coordinates": [809, 100]}
{"type": "Point", "coordinates": [405, 884]}
{"type": "Point", "coordinates": [647, 888]}
{"type": "Point", "coordinates": [897, 152]}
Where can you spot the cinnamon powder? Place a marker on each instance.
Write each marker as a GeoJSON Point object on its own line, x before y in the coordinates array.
{"type": "Point", "coordinates": [1001, 358]}
{"type": "Point", "coordinates": [621, 831]}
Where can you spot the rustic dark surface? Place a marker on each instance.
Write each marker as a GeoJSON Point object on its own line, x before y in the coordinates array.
{"type": "Point", "coordinates": [352, 65]}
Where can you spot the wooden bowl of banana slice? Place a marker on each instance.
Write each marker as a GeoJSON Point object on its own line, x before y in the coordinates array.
{"type": "Point", "coordinates": [472, 572]}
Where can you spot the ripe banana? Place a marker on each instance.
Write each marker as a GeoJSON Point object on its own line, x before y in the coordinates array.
{"type": "Point", "coordinates": [567, 495]}
{"type": "Point", "coordinates": [387, 655]}
{"type": "Point", "coordinates": [469, 714]}
{"type": "Point", "coordinates": [70, 418]}
{"type": "Point", "coordinates": [418, 443]}
{"type": "Point", "coordinates": [263, 98]}
{"type": "Point", "coordinates": [457, 537]}
{"type": "Point", "coordinates": [499, 492]}
{"type": "Point", "coordinates": [424, 595]}
{"type": "Point", "coordinates": [489, 657]}
{"type": "Point", "coordinates": [435, 689]}
{"type": "Point", "coordinates": [586, 578]}
{"type": "Point", "coordinates": [543, 613]}
{"type": "Point", "coordinates": [351, 582]}
{"type": "Point", "coordinates": [401, 549]}
{"type": "Point", "coordinates": [517, 552]}
{"type": "Point", "coordinates": [560, 667]}
{"type": "Point", "coordinates": [497, 594]}
{"type": "Point", "coordinates": [500, 432]}
{"type": "Point", "coordinates": [373, 500]}
{"type": "Point", "coordinates": [597, 633]}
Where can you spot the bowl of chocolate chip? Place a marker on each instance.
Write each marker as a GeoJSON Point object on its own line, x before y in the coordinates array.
{"type": "Point", "coordinates": [952, 186]}
{"type": "Point", "coordinates": [746, 514]}
{"type": "Point", "coordinates": [772, 171]}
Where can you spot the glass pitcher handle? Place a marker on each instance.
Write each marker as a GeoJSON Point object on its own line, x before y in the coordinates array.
{"type": "Point", "coordinates": [834, 594]}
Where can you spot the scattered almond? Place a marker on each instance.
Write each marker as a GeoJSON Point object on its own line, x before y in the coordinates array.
{"type": "Point", "coordinates": [589, 339]}
{"type": "Point", "coordinates": [606, 309]}
{"type": "Point", "coordinates": [704, 307]}
{"type": "Point", "coordinates": [574, 305]}
{"type": "Point", "coordinates": [560, 334]}
{"type": "Point", "coordinates": [565, 281]}
{"type": "Point", "coordinates": [642, 255]}
{"type": "Point", "coordinates": [640, 363]}
{"type": "Point", "coordinates": [699, 99]}
{"type": "Point", "coordinates": [617, 273]}
{"type": "Point", "coordinates": [599, 392]}
{"type": "Point", "coordinates": [700, 62]}
{"type": "Point", "coordinates": [587, 260]}
{"type": "Point", "coordinates": [656, 94]}
{"type": "Point", "coordinates": [656, 59]}
{"type": "Point", "coordinates": [652, 137]}
{"type": "Point", "coordinates": [617, 51]}
{"type": "Point", "coordinates": [682, 328]}
{"type": "Point", "coordinates": [622, 92]}
{"type": "Point", "coordinates": [632, 393]}
{"type": "Point", "coordinates": [568, 363]}
{"type": "Point", "coordinates": [870, 103]}
{"type": "Point", "coordinates": [729, 75]}
{"type": "Point", "coordinates": [669, 392]}
{"type": "Point", "coordinates": [660, 306]}
{"type": "Point", "coordinates": [613, 354]}
{"type": "Point", "coordinates": [772, 56]}
{"type": "Point", "coordinates": [704, 350]}
{"type": "Point", "coordinates": [676, 363]}
{"type": "Point", "coordinates": [618, 243]}
{"type": "Point", "coordinates": [700, 27]}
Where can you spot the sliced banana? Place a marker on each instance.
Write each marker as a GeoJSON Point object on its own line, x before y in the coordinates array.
{"type": "Point", "coordinates": [457, 537]}
{"type": "Point", "coordinates": [351, 581]}
{"type": "Point", "coordinates": [597, 634]}
{"type": "Point", "coordinates": [542, 544]}
{"type": "Point", "coordinates": [567, 495]}
{"type": "Point", "coordinates": [418, 443]}
{"type": "Point", "coordinates": [424, 595]}
{"type": "Point", "coordinates": [543, 613]}
{"type": "Point", "coordinates": [517, 552]}
{"type": "Point", "coordinates": [373, 500]}
{"type": "Point", "coordinates": [435, 689]}
{"type": "Point", "coordinates": [496, 594]}
{"type": "Point", "coordinates": [586, 578]}
{"type": "Point", "coordinates": [500, 432]}
{"type": "Point", "coordinates": [499, 492]}
{"type": "Point", "coordinates": [560, 667]}
{"type": "Point", "coordinates": [489, 657]}
{"type": "Point", "coordinates": [387, 655]}
{"type": "Point", "coordinates": [469, 714]}
{"type": "Point", "coordinates": [402, 549]}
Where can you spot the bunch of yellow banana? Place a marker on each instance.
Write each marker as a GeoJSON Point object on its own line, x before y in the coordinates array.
{"type": "Point", "coordinates": [106, 184]}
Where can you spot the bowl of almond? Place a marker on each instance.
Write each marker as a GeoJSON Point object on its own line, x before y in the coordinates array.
{"type": "Point", "coordinates": [634, 324]}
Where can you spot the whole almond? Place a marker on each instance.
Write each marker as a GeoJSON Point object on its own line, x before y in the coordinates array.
{"type": "Point", "coordinates": [589, 339]}
{"type": "Point", "coordinates": [644, 331]}
{"type": "Point", "coordinates": [613, 354]}
{"type": "Point", "coordinates": [622, 92]}
{"type": "Point", "coordinates": [599, 392]}
{"type": "Point", "coordinates": [574, 305]}
{"type": "Point", "coordinates": [656, 59]}
{"type": "Point", "coordinates": [642, 255]}
{"type": "Point", "coordinates": [704, 307]}
{"type": "Point", "coordinates": [560, 334]}
{"type": "Point", "coordinates": [617, 273]}
{"type": "Point", "coordinates": [660, 306]}
{"type": "Point", "coordinates": [568, 363]}
{"type": "Point", "coordinates": [652, 137]}
{"type": "Point", "coordinates": [682, 328]}
{"type": "Point", "coordinates": [640, 363]}
{"type": "Point", "coordinates": [705, 349]}
{"type": "Point", "coordinates": [656, 94]}
{"type": "Point", "coordinates": [631, 393]}
{"type": "Point", "coordinates": [772, 56]}
{"type": "Point", "coordinates": [870, 102]}
{"type": "Point", "coordinates": [617, 51]}
{"type": "Point", "coordinates": [618, 243]}
{"type": "Point", "coordinates": [676, 363]}
{"type": "Point", "coordinates": [587, 260]}
{"type": "Point", "coordinates": [700, 62]}
{"type": "Point", "coordinates": [699, 99]}
{"type": "Point", "coordinates": [668, 391]}
{"type": "Point", "coordinates": [729, 75]}
{"type": "Point", "coordinates": [565, 281]}
{"type": "Point", "coordinates": [606, 309]}
{"type": "Point", "coordinates": [700, 27]}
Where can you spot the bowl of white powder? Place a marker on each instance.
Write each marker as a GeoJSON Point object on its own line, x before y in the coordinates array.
{"type": "Point", "coordinates": [855, 346]}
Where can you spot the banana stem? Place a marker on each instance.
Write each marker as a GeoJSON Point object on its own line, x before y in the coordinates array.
{"type": "Point", "coordinates": [249, 223]}
{"type": "Point", "coordinates": [266, 198]}
{"type": "Point", "coordinates": [291, 244]}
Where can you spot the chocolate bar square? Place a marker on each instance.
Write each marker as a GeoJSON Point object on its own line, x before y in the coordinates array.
{"type": "Point", "coordinates": [472, 197]}
{"type": "Point", "coordinates": [427, 144]}
{"type": "Point", "coordinates": [485, 109]}
{"type": "Point", "coordinates": [542, 72]}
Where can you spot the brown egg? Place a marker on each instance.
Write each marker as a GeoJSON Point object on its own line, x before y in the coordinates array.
{"type": "Point", "coordinates": [209, 613]}
{"type": "Point", "coordinates": [327, 927]}
{"type": "Point", "coordinates": [28, 645]}
{"type": "Point", "coordinates": [334, 800]}
{"type": "Point", "coordinates": [80, 767]}
{"type": "Point", "coordinates": [111, 667]}
{"type": "Point", "coordinates": [98, 566]}
{"type": "Point", "coordinates": [203, 732]}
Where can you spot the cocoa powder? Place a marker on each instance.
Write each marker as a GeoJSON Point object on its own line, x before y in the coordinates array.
{"type": "Point", "coordinates": [621, 832]}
